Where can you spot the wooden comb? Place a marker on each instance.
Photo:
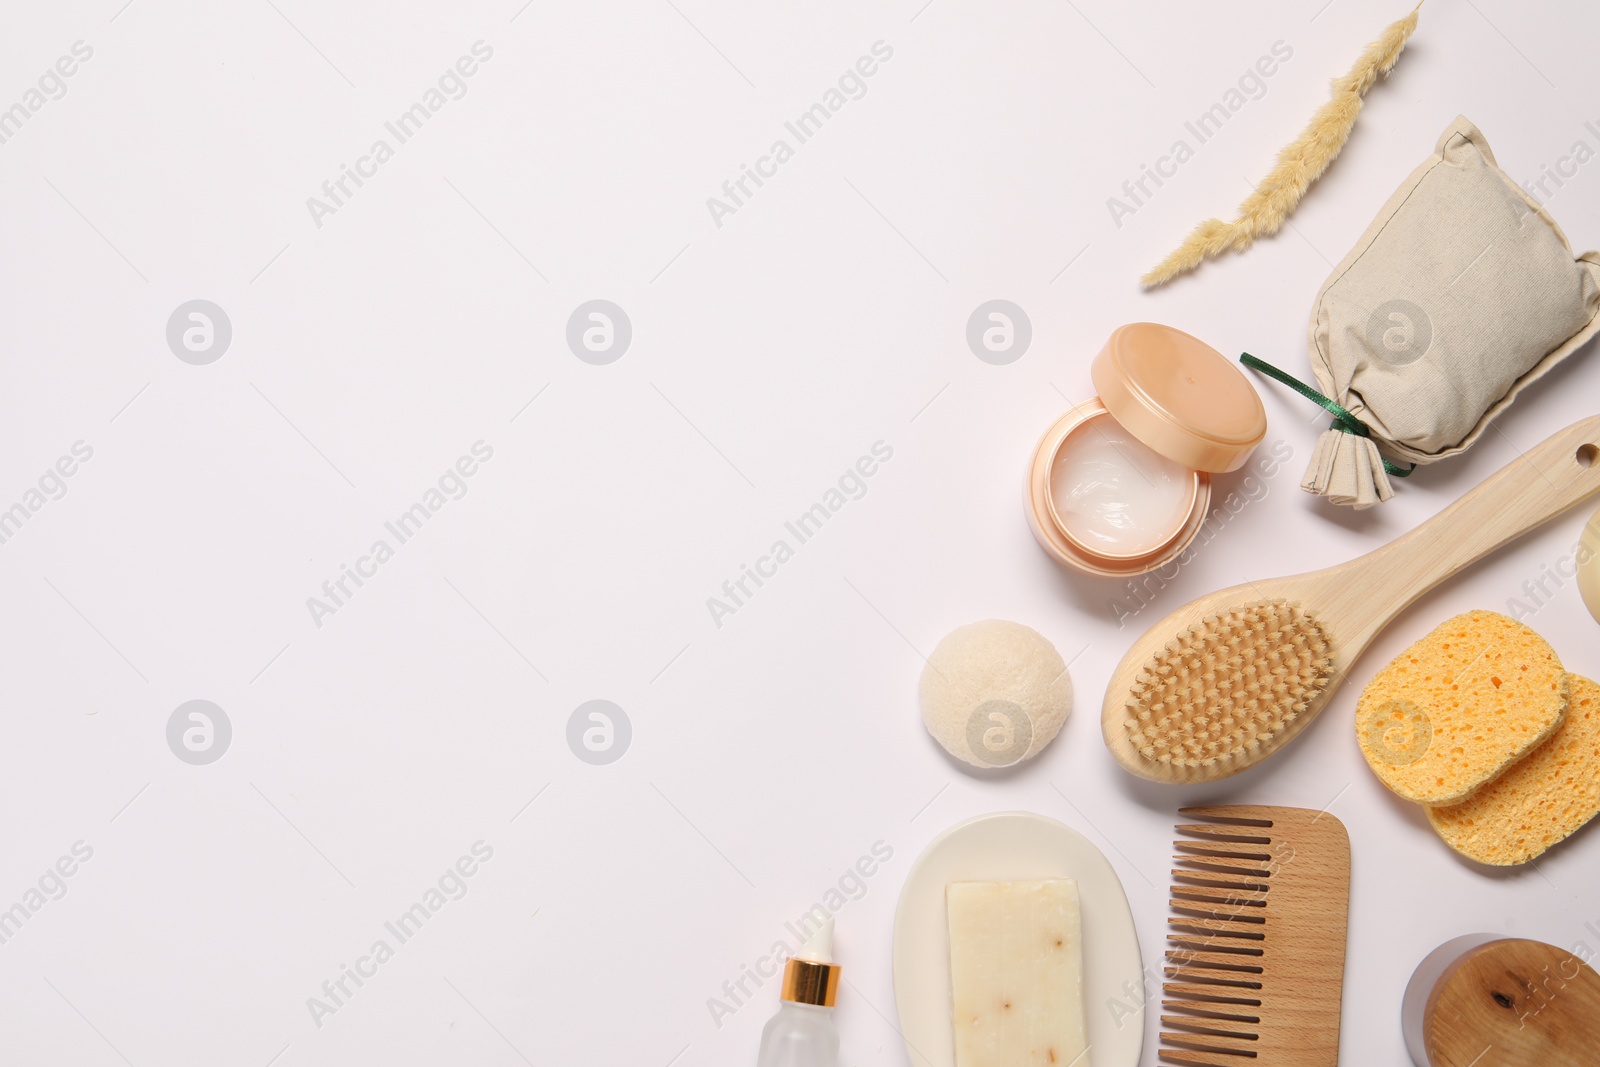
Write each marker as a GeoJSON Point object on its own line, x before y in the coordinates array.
{"type": "Point", "coordinates": [1254, 974]}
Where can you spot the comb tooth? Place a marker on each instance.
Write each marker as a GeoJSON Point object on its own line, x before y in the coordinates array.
{"type": "Point", "coordinates": [1205, 976]}
{"type": "Point", "coordinates": [1229, 815]}
{"type": "Point", "coordinates": [1215, 881]}
{"type": "Point", "coordinates": [1230, 1045]}
{"type": "Point", "coordinates": [1211, 994]}
{"type": "Point", "coordinates": [1238, 1044]}
{"type": "Point", "coordinates": [1203, 1025]}
{"type": "Point", "coordinates": [1231, 871]}
{"type": "Point", "coordinates": [1252, 913]}
{"type": "Point", "coordinates": [1215, 847]}
{"type": "Point", "coordinates": [1203, 875]}
{"type": "Point", "coordinates": [1217, 961]}
{"type": "Point", "coordinates": [1204, 943]}
{"type": "Point", "coordinates": [1216, 928]}
{"type": "Point", "coordinates": [1191, 1058]}
{"type": "Point", "coordinates": [1209, 1011]}
{"type": "Point", "coordinates": [1237, 898]}
{"type": "Point", "coordinates": [1224, 865]}
{"type": "Point", "coordinates": [1222, 832]}
{"type": "Point", "coordinates": [1229, 849]}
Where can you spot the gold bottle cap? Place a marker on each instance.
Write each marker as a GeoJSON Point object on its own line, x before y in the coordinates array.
{"type": "Point", "coordinates": [809, 982]}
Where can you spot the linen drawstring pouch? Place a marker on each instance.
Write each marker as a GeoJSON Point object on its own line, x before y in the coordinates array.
{"type": "Point", "coordinates": [1461, 293]}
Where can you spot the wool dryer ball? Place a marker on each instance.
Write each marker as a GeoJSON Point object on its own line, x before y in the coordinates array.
{"type": "Point", "coordinates": [994, 693]}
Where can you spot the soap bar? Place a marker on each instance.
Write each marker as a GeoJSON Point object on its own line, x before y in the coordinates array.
{"type": "Point", "coordinates": [1016, 973]}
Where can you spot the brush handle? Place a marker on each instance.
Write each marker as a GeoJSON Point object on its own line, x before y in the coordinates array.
{"type": "Point", "coordinates": [1543, 482]}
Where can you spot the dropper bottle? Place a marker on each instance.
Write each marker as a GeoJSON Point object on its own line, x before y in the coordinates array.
{"type": "Point", "coordinates": [802, 1033]}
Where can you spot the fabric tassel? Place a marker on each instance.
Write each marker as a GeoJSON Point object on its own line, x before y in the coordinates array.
{"type": "Point", "coordinates": [1348, 470]}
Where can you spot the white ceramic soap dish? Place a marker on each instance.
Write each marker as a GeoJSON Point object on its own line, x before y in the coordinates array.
{"type": "Point", "coordinates": [1007, 846]}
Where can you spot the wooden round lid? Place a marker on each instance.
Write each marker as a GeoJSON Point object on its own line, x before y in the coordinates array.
{"type": "Point", "coordinates": [1511, 1003]}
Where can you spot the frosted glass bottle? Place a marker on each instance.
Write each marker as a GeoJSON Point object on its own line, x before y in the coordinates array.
{"type": "Point", "coordinates": [802, 1033]}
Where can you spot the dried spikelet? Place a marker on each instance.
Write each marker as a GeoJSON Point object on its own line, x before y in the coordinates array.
{"type": "Point", "coordinates": [1299, 164]}
{"type": "Point", "coordinates": [1222, 688]}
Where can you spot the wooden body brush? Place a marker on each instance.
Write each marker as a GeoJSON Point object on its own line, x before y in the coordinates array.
{"type": "Point", "coordinates": [1224, 682]}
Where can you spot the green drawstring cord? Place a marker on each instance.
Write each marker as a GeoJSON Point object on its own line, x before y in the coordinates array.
{"type": "Point", "coordinates": [1342, 419]}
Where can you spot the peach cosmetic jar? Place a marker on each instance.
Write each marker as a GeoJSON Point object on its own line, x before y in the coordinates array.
{"type": "Point", "coordinates": [1121, 484]}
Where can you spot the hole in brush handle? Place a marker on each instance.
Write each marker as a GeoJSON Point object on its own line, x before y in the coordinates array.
{"type": "Point", "coordinates": [1587, 454]}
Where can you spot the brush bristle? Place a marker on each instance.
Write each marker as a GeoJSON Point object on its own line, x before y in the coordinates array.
{"type": "Point", "coordinates": [1228, 684]}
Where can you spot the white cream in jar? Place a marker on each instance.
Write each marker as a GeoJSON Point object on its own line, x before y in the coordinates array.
{"type": "Point", "coordinates": [1114, 495]}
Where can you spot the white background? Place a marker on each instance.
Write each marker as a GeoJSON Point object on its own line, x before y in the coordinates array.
{"type": "Point", "coordinates": [768, 354]}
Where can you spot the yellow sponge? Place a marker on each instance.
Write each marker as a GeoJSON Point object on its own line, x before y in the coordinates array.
{"type": "Point", "coordinates": [1457, 708]}
{"type": "Point", "coordinates": [1541, 800]}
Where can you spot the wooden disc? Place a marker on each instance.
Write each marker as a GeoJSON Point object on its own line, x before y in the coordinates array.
{"type": "Point", "coordinates": [1511, 1003]}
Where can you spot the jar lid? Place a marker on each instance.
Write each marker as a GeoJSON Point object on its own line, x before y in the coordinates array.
{"type": "Point", "coordinates": [1529, 1001]}
{"type": "Point", "coordinates": [1180, 396]}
